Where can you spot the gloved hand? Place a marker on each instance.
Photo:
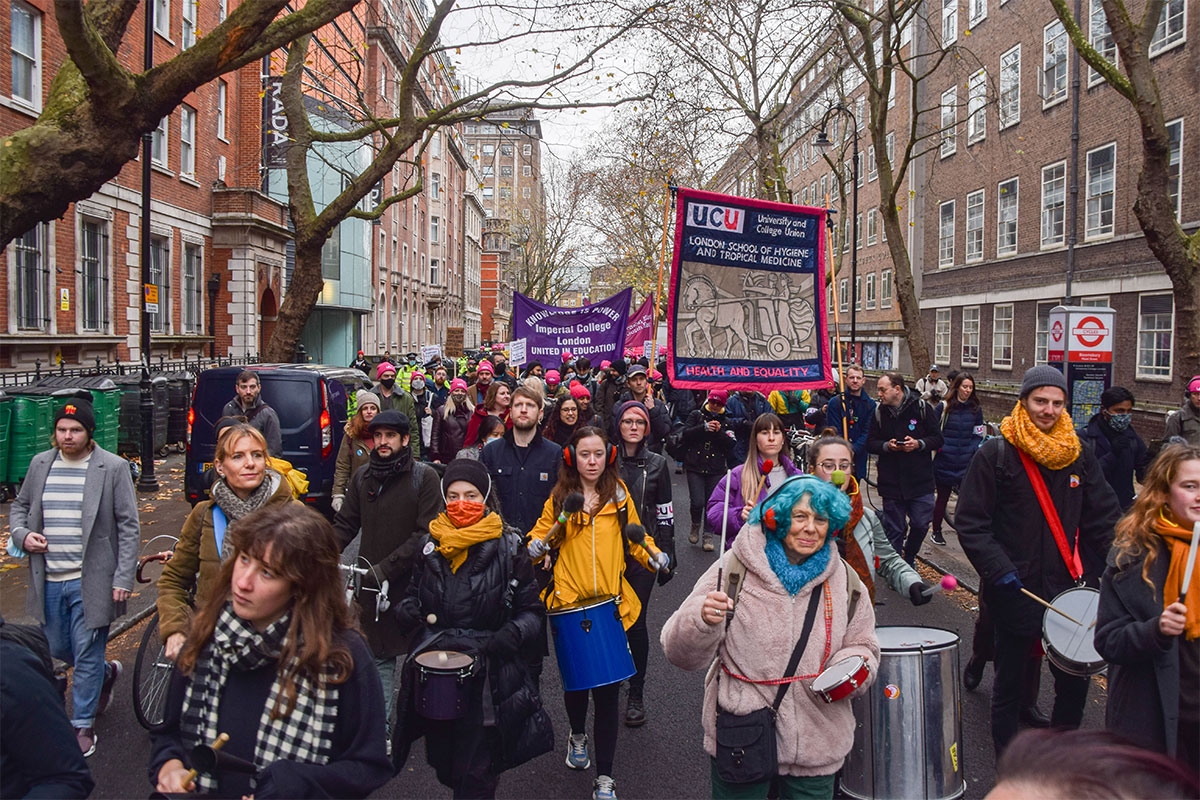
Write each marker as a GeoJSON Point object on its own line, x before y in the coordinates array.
{"type": "Point", "coordinates": [917, 593]}
{"type": "Point", "coordinates": [538, 548]}
{"type": "Point", "coordinates": [504, 642]}
{"type": "Point", "coordinates": [663, 578]}
{"type": "Point", "coordinates": [660, 561]}
{"type": "Point", "coordinates": [336, 503]}
{"type": "Point", "coordinates": [408, 614]}
{"type": "Point", "coordinates": [1010, 582]}
{"type": "Point", "coordinates": [382, 601]}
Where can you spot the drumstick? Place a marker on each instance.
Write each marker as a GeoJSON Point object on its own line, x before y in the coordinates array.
{"type": "Point", "coordinates": [1191, 562]}
{"type": "Point", "coordinates": [764, 470]}
{"type": "Point", "coordinates": [217, 744]}
{"type": "Point", "coordinates": [724, 529]}
{"type": "Point", "coordinates": [1033, 596]}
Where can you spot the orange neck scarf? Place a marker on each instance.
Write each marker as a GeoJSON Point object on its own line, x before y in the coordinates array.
{"type": "Point", "coordinates": [854, 552]}
{"type": "Point", "coordinates": [453, 542]}
{"type": "Point", "coordinates": [1054, 450]}
{"type": "Point", "coordinates": [1179, 542]}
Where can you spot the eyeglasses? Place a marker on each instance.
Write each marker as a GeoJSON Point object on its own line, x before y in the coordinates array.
{"type": "Point", "coordinates": [634, 421]}
{"type": "Point", "coordinates": [830, 466]}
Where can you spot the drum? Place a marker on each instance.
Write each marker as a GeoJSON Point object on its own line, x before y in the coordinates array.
{"type": "Point", "coordinates": [841, 679]}
{"type": "Point", "coordinates": [1069, 646]}
{"type": "Point", "coordinates": [443, 683]}
{"type": "Point", "coordinates": [590, 643]}
{"type": "Point", "coordinates": [908, 725]}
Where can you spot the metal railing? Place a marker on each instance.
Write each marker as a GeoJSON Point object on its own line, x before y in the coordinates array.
{"type": "Point", "coordinates": [13, 378]}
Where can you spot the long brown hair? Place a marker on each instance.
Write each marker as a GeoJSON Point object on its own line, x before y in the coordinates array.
{"type": "Point", "coordinates": [357, 425]}
{"type": "Point", "coordinates": [304, 551]}
{"type": "Point", "coordinates": [952, 401]}
{"type": "Point", "coordinates": [1135, 531]}
{"type": "Point", "coordinates": [750, 467]}
{"type": "Point", "coordinates": [568, 475]}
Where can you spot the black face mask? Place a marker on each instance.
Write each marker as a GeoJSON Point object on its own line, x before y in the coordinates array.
{"type": "Point", "coordinates": [387, 383]}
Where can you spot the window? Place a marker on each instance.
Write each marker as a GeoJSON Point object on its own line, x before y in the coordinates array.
{"type": "Point", "coordinates": [1099, 301]}
{"type": "Point", "coordinates": [872, 165]}
{"type": "Point", "coordinates": [974, 242]}
{"type": "Point", "coordinates": [1156, 329]}
{"type": "Point", "coordinates": [526, 149]}
{"type": "Point", "coordinates": [845, 236]}
{"type": "Point", "coordinates": [885, 289]}
{"type": "Point", "coordinates": [977, 107]}
{"type": "Point", "coordinates": [858, 279]}
{"type": "Point", "coordinates": [941, 335]}
{"type": "Point", "coordinates": [434, 225]}
{"type": "Point", "coordinates": [526, 170]}
{"type": "Point", "coordinates": [525, 192]}
{"type": "Point", "coordinates": [844, 295]}
{"type": "Point", "coordinates": [32, 262]}
{"type": "Point", "coordinates": [977, 12]}
{"type": "Point", "coordinates": [1007, 205]}
{"type": "Point", "coordinates": [187, 141]}
{"type": "Point", "coordinates": [93, 276]}
{"type": "Point", "coordinates": [435, 145]}
{"type": "Point", "coordinates": [946, 234]}
{"type": "Point", "coordinates": [858, 163]}
{"type": "Point", "coordinates": [858, 231]}
{"type": "Point", "coordinates": [160, 276]}
{"type": "Point", "coordinates": [1171, 27]}
{"type": "Point", "coordinates": [1100, 190]}
{"type": "Point", "coordinates": [1002, 336]}
{"type": "Point", "coordinates": [435, 186]}
{"type": "Point", "coordinates": [506, 171]}
{"type": "Point", "coordinates": [1041, 352]}
{"type": "Point", "coordinates": [824, 188]}
{"type": "Point", "coordinates": [949, 118]}
{"type": "Point", "coordinates": [525, 213]}
{"type": "Point", "coordinates": [505, 193]}
{"type": "Point", "coordinates": [949, 22]}
{"type": "Point", "coordinates": [1100, 37]}
{"type": "Point", "coordinates": [872, 292]}
{"type": "Point", "coordinates": [193, 289]}
{"type": "Point", "coordinates": [189, 24]}
{"type": "Point", "coordinates": [489, 150]}
{"type": "Point", "coordinates": [1054, 64]}
{"type": "Point", "coordinates": [872, 226]}
{"type": "Point", "coordinates": [489, 171]}
{"type": "Point", "coordinates": [162, 18]}
{"type": "Point", "coordinates": [435, 278]}
{"type": "Point", "coordinates": [487, 193]}
{"type": "Point", "coordinates": [222, 10]}
{"type": "Point", "coordinates": [1010, 88]}
{"type": "Point", "coordinates": [1175, 164]}
{"type": "Point", "coordinates": [506, 149]}
{"type": "Point", "coordinates": [970, 337]}
{"type": "Point", "coordinates": [158, 144]}
{"type": "Point", "coordinates": [860, 111]}
{"type": "Point", "coordinates": [890, 146]}
{"type": "Point", "coordinates": [1054, 196]}
{"type": "Point", "coordinates": [26, 55]}
{"type": "Point", "coordinates": [222, 101]}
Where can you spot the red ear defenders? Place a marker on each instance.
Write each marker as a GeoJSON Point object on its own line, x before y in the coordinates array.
{"type": "Point", "coordinates": [769, 521]}
{"type": "Point", "coordinates": [570, 459]}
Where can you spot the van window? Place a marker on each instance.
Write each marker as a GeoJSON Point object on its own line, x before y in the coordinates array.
{"type": "Point", "coordinates": [295, 401]}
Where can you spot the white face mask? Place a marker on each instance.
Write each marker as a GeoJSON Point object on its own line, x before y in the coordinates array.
{"type": "Point", "coordinates": [418, 384]}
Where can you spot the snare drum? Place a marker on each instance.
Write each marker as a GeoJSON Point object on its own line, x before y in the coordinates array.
{"type": "Point", "coordinates": [841, 679]}
{"type": "Point", "coordinates": [1069, 646]}
{"type": "Point", "coordinates": [443, 682]}
{"type": "Point", "coordinates": [590, 643]}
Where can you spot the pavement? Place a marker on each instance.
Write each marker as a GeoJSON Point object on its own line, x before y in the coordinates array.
{"type": "Point", "coordinates": [663, 759]}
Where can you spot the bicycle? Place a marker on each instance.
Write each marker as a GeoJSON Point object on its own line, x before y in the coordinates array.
{"type": "Point", "coordinates": [354, 586]}
{"type": "Point", "coordinates": [152, 669]}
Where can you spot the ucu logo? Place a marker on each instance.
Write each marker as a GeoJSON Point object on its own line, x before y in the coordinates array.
{"type": "Point", "coordinates": [715, 217]}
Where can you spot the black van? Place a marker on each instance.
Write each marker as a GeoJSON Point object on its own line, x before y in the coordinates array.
{"type": "Point", "coordinates": [311, 401]}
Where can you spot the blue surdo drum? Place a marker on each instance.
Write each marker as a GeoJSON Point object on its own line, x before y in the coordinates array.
{"type": "Point", "coordinates": [590, 643]}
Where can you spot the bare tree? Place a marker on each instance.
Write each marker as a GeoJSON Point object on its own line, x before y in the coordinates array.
{"type": "Point", "coordinates": [97, 110]}
{"type": "Point", "coordinates": [422, 109]}
{"type": "Point", "coordinates": [1136, 81]}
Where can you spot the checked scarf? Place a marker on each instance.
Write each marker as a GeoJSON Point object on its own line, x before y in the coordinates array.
{"type": "Point", "coordinates": [304, 735]}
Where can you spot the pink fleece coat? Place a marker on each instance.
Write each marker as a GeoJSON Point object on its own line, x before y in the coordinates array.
{"type": "Point", "coordinates": [813, 736]}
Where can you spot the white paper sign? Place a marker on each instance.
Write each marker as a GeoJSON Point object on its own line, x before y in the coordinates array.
{"type": "Point", "coordinates": [429, 352]}
{"type": "Point", "coordinates": [516, 352]}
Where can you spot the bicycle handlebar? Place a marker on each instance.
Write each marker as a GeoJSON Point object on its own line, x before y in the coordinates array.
{"type": "Point", "coordinates": [164, 557]}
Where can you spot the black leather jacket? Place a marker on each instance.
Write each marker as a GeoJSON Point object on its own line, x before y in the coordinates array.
{"type": "Point", "coordinates": [648, 477]}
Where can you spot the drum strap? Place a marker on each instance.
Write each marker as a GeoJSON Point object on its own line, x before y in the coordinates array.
{"type": "Point", "coordinates": [1070, 557]}
{"type": "Point", "coordinates": [787, 680]}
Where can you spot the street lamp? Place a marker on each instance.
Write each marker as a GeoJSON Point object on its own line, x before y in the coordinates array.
{"type": "Point", "coordinates": [147, 481]}
{"type": "Point", "coordinates": [823, 143]}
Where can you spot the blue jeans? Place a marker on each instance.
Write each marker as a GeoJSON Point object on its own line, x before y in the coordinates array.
{"type": "Point", "coordinates": [387, 677]}
{"type": "Point", "coordinates": [913, 514]}
{"type": "Point", "coordinates": [72, 641]}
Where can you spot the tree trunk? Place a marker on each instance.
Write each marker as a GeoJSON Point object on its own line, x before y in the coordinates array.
{"type": "Point", "coordinates": [298, 304]}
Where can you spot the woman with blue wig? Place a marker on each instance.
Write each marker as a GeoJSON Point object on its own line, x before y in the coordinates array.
{"type": "Point", "coordinates": [790, 562]}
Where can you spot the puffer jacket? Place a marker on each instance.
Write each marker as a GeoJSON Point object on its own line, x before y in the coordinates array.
{"type": "Point", "coordinates": [449, 433]}
{"type": "Point", "coordinates": [962, 433]}
{"type": "Point", "coordinates": [704, 451]}
{"type": "Point", "coordinates": [813, 737]}
{"type": "Point", "coordinates": [197, 562]}
{"type": "Point", "coordinates": [590, 561]}
{"type": "Point", "coordinates": [649, 480]}
{"type": "Point", "coordinates": [716, 502]}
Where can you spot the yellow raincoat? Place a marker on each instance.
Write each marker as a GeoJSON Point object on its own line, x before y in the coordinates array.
{"type": "Point", "coordinates": [591, 559]}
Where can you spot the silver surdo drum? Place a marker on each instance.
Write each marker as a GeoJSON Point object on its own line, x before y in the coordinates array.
{"type": "Point", "coordinates": [908, 725]}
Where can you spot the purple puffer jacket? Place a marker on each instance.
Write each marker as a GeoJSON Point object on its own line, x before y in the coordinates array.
{"type": "Point", "coordinates": [717, 501]}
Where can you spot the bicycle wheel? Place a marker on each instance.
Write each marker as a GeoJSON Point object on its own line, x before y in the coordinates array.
{"type": "Point", "coordinates": [151, 678]}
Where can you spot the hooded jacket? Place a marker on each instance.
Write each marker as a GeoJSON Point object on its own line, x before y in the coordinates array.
{"type": "Point", "coordinates": [198, 562]}
{"type": "Point", "coordinates": [1122, 455]}
{"type": "Point", "coordinates": [905, 476]}
{"type": "Point", "coordinates": [813, 737]}
{"type": "Point", "coordinates": [962, 433]}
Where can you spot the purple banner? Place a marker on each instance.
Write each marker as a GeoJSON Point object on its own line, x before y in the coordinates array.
{"type": "Point", "coordinates": [596, 331]}
{"type": "Point", "coordinates": [640, 323]}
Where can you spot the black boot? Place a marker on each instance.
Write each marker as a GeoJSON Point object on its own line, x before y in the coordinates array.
{"type": "Point", "coordinates": [635, 710]}
{"type": "Point", "coordinates": [1031, 715]}
{"type": "Point", "coordinates": [973, 673]}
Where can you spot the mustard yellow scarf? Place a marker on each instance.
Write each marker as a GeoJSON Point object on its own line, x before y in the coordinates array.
{"type": "Point", "coordinates": [1054, 450]}
{"type": "Point", "coordinates": [453, 543]}
{"type": "Point", "coordinates": [1179, 541]}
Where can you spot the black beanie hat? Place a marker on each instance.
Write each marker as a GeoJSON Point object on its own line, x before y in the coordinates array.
{"type": "Point", "coordinates": [80, 411]}
{"type": "Point", "coordinates": [469, 470]}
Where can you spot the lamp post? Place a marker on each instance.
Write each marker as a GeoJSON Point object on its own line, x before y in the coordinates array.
{"type": "Point", "coordinates": [823, 143]}
{"type": "Point", "coordinates": [147, 481]}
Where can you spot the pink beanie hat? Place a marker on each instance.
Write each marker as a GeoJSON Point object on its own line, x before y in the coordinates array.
{"type": "Point", "coordinates": [578, 390]}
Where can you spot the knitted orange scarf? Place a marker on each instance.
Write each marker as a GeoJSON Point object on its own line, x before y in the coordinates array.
{"type": "Point", "coordinates": [1179, 542]}
{"type": "Point", "coordinates": [855, 556]}
{"type": "Point", "coordinates": [1054, 450]}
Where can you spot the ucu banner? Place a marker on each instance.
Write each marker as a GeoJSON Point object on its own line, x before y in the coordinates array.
{"type": "Point", "coordinates": [719, 218]}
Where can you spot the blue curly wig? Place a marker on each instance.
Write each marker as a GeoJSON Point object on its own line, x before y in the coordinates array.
{"type": "Point", "coordinates": [775, 513]}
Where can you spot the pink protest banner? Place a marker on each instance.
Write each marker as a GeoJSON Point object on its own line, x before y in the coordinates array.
{"type": "Point", "coordinates": [640, 323]}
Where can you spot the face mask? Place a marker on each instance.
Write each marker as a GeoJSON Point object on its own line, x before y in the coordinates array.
{"type": "Point", "coordinates": [1119, 422]}
{"type": "Point", "coordinates": [387, 383]}
{"type": "Point", "coordinates": [464, 513]}
{"type": "Point", "coordinates": [418, 385]}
